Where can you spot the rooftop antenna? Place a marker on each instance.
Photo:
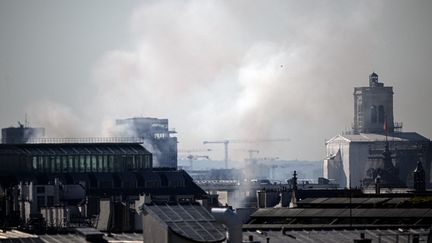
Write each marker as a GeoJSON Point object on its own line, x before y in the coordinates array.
{"type": "Point", "coordinates": [26, 123]}
{"type": "Point", "coordinates": [386, 130]}
{"type": "Point", "coordinates": [350, 200]}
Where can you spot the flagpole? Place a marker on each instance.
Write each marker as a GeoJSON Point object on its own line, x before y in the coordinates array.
{"type": "Point", "coordinates": [385, 128]}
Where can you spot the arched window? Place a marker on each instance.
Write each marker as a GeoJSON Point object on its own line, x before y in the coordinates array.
{"type": "Point", "coordinates": [381, 114]}
{"type": "Point", "coordinates": [373, 111]}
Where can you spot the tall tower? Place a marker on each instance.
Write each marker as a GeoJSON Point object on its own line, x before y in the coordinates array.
{"type": "Point", "coordinates": [373, 106]}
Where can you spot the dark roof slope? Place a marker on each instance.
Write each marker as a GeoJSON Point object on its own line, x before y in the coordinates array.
{"type": "Point", "coordinates": [190, 221]}
{"type": "Point", "coordinates": [343, 213]}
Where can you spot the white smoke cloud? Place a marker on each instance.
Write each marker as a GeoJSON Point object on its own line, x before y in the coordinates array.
{"type": "Point", "coordinates": [234, 70]}
{"type": "Point", "coordinates": [61, 120]}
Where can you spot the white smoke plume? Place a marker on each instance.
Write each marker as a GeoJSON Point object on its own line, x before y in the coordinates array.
{"type": "Point", "coordinates": [233, 69]}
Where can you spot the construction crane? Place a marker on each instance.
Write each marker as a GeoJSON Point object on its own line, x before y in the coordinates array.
{"type": "Point", "coordinates": [192, 157]}
{"type": "Point", "coordinates": [252, 162]}
{"type": "Point", "coordinates": [265, 159]}
{"type": "Point", "coordinates": [188, 151]}
{"type": "Point", "coordinates": [228, 141]}
{"type": "Point", "coordinates": [225, 143]}
{"type": "Point", "coordinates": [251, 152]}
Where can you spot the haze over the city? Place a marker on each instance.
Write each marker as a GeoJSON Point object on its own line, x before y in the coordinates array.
{"type": "Point", "coordinates": [215, 69]}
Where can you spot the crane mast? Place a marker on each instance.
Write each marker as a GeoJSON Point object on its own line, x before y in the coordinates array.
{"type": "Point", "coordinates": [227, 141]}
{"type": "Point", "coordinates": [192, 157]}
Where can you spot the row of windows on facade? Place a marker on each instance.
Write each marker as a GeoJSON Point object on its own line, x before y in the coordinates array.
{"type": "Point", "coordinates": [91, 163]}
{"type": "Point", "coordinates": [48, 201]}
{"type": "Point", "coordinates": [41, 202]}
{"type": "Point", "coordinates": [138, 184]}
{"type": "Point", "coordinates": [377, 115]}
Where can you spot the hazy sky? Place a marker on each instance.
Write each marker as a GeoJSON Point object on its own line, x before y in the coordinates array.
{"type": "Point", "coordinates": [216, 69]}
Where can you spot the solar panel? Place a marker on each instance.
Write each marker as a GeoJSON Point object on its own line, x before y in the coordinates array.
{"type": "Point", "coordinates": [397, 200]}
{"type": "Point", "coordinates": [319, 200]}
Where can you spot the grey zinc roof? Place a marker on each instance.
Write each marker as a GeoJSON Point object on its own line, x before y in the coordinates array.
{"type": "Point", "coordinates": [397, 200]}
{"type": "Point", "coordinates": [75, 238]}
{"type": "Point", "coordinates": [374, 137]}
{"type": "Point", "coordinates": [343, 212]}
{"type": "Point", "coordinates": [340, 236]}
{"type": "Point", "coordinates": [18, 236]}
{"type": "Point", "coordinates": [343, 200]}
{"type": "Point", "coordinates": [190, 221]}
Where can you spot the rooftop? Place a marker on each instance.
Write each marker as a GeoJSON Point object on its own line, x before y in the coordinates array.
{"type": "Point", "coordinates": [190, 221]}
{"type": "Point", "coordinates": [73, 148]}
{"type": "Point", "coordinates": [340, 236]}
{"type": "Point", "coordinates": [375, 137]}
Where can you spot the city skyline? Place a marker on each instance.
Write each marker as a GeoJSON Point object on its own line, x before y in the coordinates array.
{"type": "Point", "coordinates": [216, 70]}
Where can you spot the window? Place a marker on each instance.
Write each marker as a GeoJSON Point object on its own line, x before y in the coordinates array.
{"type": "Point", "coordinates": [99, 163]}
{"type": "Point", "coordinates": [65, 164]}
{"type": "Point", "coordinates": [111, 163]}
{"type": "Point", "coordinates": [45, 164]}
{"type": "Point", "coordinates": [105, 167]}
{"type": "Point", "coordinates": [76, 162]}
{"type": "Point", "coordinates": [88, 163]}
{"type": "Point", "coordinates": [373, 111]}
{"type": "Point", "coordinates": [40, 201]}
{"type": "Point", "coordinates": [134, 162]}
{"type": "Point", "coordinates": [130, 162]}
{"type": "Point", "coordinates": [117, 163]}
{"type": "Point", "coordinates": [40, 164]}
{"type": "Point", "coordinates": [381, 115]}
{"type": "Point", "coordinates": [68, 162]}
{"type": "Point", "coordinates": [138, 162]}
{"type": "Point", "coordinates": [82, 163]}
{"type": "Point", "coordinates": [58, 165]}
{"type": "Point", "coordinates": [93, 163]}
{"type": "Point", "coordinates": [148, 161]}
{"type": "Point", "coordinates": [40, 189]}
{"type": "Point", "coordinates": [35, 163]}
{"type": "Point", "coordinates": [52, 162]}
{"type": "Point", "coordinates": [50, 201]}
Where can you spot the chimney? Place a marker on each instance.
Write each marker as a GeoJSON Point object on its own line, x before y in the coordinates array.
{"type": "Point", "coordinates": [419, 178]}
{"type": "Point", "coordinates": [362, 239]}
{"type": "Point", "coordinates": [377, 184]}
{"type": "Point", "coordinates": [232, 221]}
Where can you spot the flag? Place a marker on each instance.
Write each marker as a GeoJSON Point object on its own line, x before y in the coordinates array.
{"type": "Point", "coordinates": [385, 125]}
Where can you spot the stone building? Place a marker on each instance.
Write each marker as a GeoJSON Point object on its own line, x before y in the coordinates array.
{"type": "Point", "coordinates": [158, 138]}
{"type": "Point", "coordinates": [373, 106]}
{"type": "Point", "coordinates": [352, 157]}
{"type": "Point", "coordinates": [21, 134]}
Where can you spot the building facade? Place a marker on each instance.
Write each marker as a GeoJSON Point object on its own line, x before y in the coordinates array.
{"type": "Point", "coordinates": [159, 139]}
{"type": "Point", "coordinates": [41, 182]}
{"type": "Point", "coordinates": [373, 106]}
{"type": "Point", "coordinates": [21, 134]}
{"type": "Point", "coordinates": [73, 158]}
{"type": "Point", "coordinates": [353, 157]}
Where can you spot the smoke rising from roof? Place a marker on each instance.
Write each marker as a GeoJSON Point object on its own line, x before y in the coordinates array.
{"type": "Point", "coordinates": [221, 69]}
